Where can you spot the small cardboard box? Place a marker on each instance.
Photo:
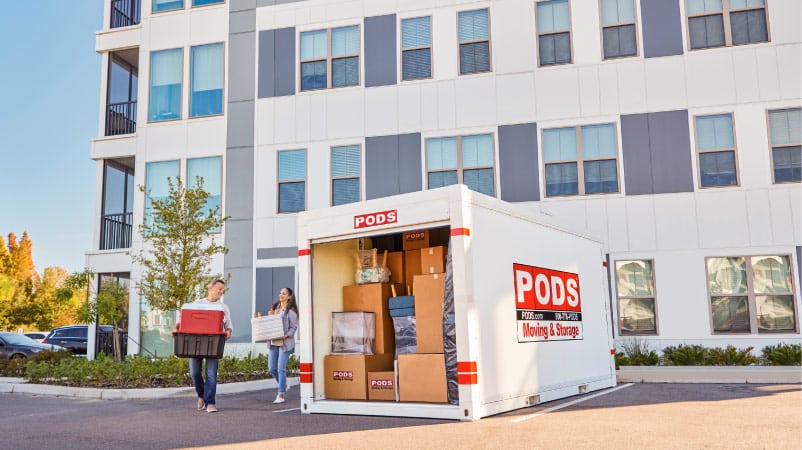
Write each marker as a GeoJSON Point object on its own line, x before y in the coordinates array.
{"type": "Point", "coordinates": [373, 297]}
{"type": "Point", "coordinates": [412, 240]}
{"type": "Point", "coordinates": [422, 378]}
{"type": "Point", "coordinates": [433, 260]}
{"type": "Point", "coordinates": [202, 321]}
{"type": "Point", "coordinates": [395, 262]}
{"type": "Point", "coordinates": [265, 328]}
{"type": "Point", "coordinates": [411, 268]}
{"type": "Point", "coordinates": [347, 375]}
{"type": "Point", "coordinates": [429, 295]}
{"type": "Point", "coordinates": [381, 385]}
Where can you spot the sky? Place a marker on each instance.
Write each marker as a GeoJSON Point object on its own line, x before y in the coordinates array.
{"type": "Point", "coordinates": [49, 107]}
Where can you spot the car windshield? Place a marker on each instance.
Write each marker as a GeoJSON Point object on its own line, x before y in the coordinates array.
{"type": "Point", "coordinates": [17, 339]}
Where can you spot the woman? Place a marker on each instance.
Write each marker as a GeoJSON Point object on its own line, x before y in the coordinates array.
{"type": "Point", "coordinates": [280, 349]}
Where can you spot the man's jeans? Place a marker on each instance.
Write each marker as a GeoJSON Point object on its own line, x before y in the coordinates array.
{"type": "Point", "coordinates": [207, 389]}
{"type": "Point", "coordinates": [277, 364]}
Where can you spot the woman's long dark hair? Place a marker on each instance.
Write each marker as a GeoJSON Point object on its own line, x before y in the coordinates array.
{"type": "Point", "coordinates": [291, 303]}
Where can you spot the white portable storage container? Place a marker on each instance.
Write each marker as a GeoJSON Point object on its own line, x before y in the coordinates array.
{"type": "Point", "coordinates": [531, 313]}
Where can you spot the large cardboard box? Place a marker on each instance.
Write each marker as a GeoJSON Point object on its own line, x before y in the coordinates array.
{"type": "Point", "coordinates": [347, 375]}
{"type": "Point", "coordinates": [433, 260]}
{"type": "Point", "coordinates": [373, 297]}
{"type": "Point", "coordinates": [381, 385]}
{"type": "Point", "coordinates": [395, 262]}
{"type": "Point", "coordinates": [411, 268]}
{"type": "Point", "coordinates": [412, 240]}
{"type": "Point", "coordinates": [429, 294]}
{"type": "Point", "coordinates": [422, 378]}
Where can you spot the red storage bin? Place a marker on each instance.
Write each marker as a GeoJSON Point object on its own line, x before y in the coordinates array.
{"type": "Point", "coordinates": [201, 321]}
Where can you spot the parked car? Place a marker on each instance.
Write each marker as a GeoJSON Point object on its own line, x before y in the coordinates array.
{"type": "Point", "coordinates": [73, 337]}
{"type": "Point", "coordinates": [15, 346]}
{"type": "Point", "coordinates": [37, 336]}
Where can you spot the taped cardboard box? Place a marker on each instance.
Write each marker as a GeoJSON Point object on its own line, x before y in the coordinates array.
{"type": "Point", "coordinates": [412, 240]}
{"type": "Point", "coordinates": [422, 378]}
{"type": "Point", "coordinates": [265, 328]}
{"type": "Point", "coordinates": [347, 375]}
{"type": "Point", "coordinates": [381, 386]}
{"type": "Point", "coordinates": [373, 298]}
{"type": "Point", "coordinates": [429, 294]}
{"type": "Point", "coordinates": [411, 268]}
{"type": "Point", "coordinates": [395, 263]}
{"type": "Point", "coordinates": [433, 260]}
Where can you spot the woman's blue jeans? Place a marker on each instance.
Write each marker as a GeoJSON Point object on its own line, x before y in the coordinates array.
{"type": "Point", "coordinates": [277, 365]}
{"type": "Point", "coordinates": [208, 388]}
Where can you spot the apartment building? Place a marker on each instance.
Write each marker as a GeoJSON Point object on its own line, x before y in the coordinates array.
{"type": "Point", "coordinates": [669, 129]}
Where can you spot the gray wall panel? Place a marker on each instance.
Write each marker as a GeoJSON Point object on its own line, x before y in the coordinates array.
{"type": "Point", "coordinates": [240, 124]}
{"type": "Point", "coordinates": [671, 152]}
{"type": "Point", "coordinates": [241, 5]}
{"type": "Point", "coordinates": [276, 252]}
{"type": "Point", "coordinates": [241, 64]}
{"type": "Point", "coordinates": [241, 21]}
{"type": "Point", "coordinates": [261, 3]}
{"type": "Point", "coordinates": [662, 28]}
{"type": "Point", "coordinates": [239, 241]}
{"type": "Point", "coordinates": [238, 298]}
{"type": "Point", "coordinates": [267, 57]}
{"type": "Point", "coordinates": [380, 50]}
{"type": "Point", "coordinates": [518, 162]}
{"type": "Point", "coordinates": [239, 183]}
{"type": "Point", "coordinates": [636, 154]}
{"type": "Point", "coordinates": [268, 283]}
{"type": "Point", "coordinates": [285, 61]}
{"type": "Point", "coordinates": [409, 163]}
{"type": "Point", "coordinates": [381, 167]}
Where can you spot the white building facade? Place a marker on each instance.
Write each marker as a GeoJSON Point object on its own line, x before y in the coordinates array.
{"type": "Point", "coordinates": [669, 129]}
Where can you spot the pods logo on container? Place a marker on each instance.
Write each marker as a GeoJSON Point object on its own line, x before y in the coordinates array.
{"type": "Point", "coordinates": [375, 219]}
{"type": "Point", "coordinates": [548, 305]}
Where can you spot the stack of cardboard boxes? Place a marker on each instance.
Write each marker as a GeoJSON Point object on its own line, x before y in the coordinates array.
{"type": "Point", "coordinates": [420, 377]}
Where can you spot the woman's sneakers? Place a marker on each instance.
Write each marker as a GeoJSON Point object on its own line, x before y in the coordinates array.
{"type": "Point", "coordinates": [279, 398]}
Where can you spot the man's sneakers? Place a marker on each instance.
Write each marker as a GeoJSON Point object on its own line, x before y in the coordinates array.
{"type": "Point", "coordinates": [201, 404]}
{"type": "Point", "coordinates": [211, 408]}
{"type": "Point", "coordinates": [279, 398]}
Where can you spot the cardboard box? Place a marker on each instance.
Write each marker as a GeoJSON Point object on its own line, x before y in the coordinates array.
{"type": "Point", "coordinates": [373, 298]}
{"type": "Point", "coordinates": [381, 386]}
{"type": "Point", "coordinates": [265, 328]}
{"type": "Point", "coordinates": [411, 268]}
{"type": "Point", "coordinates": [422, 378]}
{"type": "Point", "coordinates": [412, 240]}
{"type": "Point", "coordinates": [395, 262]}
{"type": "Point", "coordinates": [429, 294]}
{"type": "Point", "coordinates": [202, 321]}
{"type": "Point", "coordinates": [433, 260]}
{"type": "Point", "coordinates": [347, 375]}
{"type": "Point", "coordinates": [187, 345]}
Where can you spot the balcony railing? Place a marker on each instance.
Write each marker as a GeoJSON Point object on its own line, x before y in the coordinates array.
{"type": "Point", "coordinates": [121, 118]}
{"type": "Point", "coordinates": [116, 232]}
{"type": "Point", "coordinates": [124, 13]}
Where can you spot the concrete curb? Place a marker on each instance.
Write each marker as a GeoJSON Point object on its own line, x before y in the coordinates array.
{"type": "Point", "coordinates": [19, 386]}
{"type": "Point", "coordinates": [710, 374]}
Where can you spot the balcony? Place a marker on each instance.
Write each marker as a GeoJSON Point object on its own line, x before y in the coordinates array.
{"type": "Point", "coordinates": [116, 231]}
{"type": "Point", "coordinates": [124, 13]}
{"type": "Point", "coordinates": [121, 97]}
{"type": "Point", "coordinates": [121, 118]}
{"type": "Point", "coordinates": [116, 220]}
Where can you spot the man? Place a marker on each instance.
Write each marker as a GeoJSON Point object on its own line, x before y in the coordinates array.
{"type": "Point", "coordinates": [206, 389]}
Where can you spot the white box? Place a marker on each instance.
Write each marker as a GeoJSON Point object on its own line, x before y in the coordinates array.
{"type": "Point", "coordinates": [268, 327]}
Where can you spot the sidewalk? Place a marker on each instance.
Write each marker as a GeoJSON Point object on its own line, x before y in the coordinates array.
{"type": "Point", "coordinates": [20, 386]}
{"type": "Point", "coordinates": [710, 374]}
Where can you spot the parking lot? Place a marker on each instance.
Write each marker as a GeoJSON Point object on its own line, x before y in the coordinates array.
{"type": "Point", "coordinates": [629, 416]}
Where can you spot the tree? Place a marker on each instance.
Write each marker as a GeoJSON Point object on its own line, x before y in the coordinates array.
{"type": "Point", "coordinates": [178, 245]}
{"type": "Point", "coordinates": [108, 307]}
{"type": "Point", "coordinates": [4, 262]}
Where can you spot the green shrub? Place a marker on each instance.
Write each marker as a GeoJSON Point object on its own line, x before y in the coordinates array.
{"type": "Point", "coordinates": [783, 354]}
{"type": "Point", "coordinates": [732, 356]}
{"type": "Point", "coordinates": [686, 355]}
{"type": "Point", "coordinates": [636, 352]}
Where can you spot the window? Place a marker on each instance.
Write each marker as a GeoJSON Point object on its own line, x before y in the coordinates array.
{"type": "Point", "coordinates": [345, 170]}
{"type": "Point", "coordinates": [416, 48]}
{"type": "Point", "coordinates": [341, 58]}
{"type": "Point", "coordinates": [554, 32]}
{"type": "Point", "coordinates": [206, 2]}
{"type": "Point", "coordinates": [118, 204]}
{"type": "Point", "coordinates": [618, 28]}
{"type": "Point", "coordinates": [751, 292]}
{"type": "Point", "coordinates": [210, 171]}
{"type": "Point", "coordinates": [167, 5]}
{"type": "Point", "coordinates": [464, 160]}
{"type": "Point", "coordinates": [581, 160]}
{"type": "Point", "coordinates": [635, 287]}
{"type": "Point", "coordinates": [716, 23]}
{"type": "Point", "coordinates": [291, 181]}
{"type": "Point", "coordinates": [158, 176]}
{"type": "Point", "coordinates": [715, 143]}
{"type": "Point", "coordinates": [786, 145]}
{"type": "Point", "coordinates": [206, 80]}
{"type": "Point", "coordinates": [165, 85]}
{"type": "Point", "coordinates": [474, 42]}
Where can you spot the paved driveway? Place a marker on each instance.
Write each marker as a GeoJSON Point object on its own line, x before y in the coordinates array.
{"type": "Point", "coordinates": [638, 416]}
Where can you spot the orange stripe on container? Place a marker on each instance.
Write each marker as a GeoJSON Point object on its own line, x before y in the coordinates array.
{"type": "Point", "coordinates": [612, 351]}
{"type": "Point", "coordinates": [466, 366]}
{"type": "Point", "coordinates": [304, 252]}
{"type": "Point", "coordinates": [467, 378]}
{"type": "Point", "coordinates": [305, 367]}
{"type": "Point", "coordinates": [460, 231]}
{"type": "Point", "coordinates": [604, 263]}
{"type": "Point", "coordinates": [305, 378]}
